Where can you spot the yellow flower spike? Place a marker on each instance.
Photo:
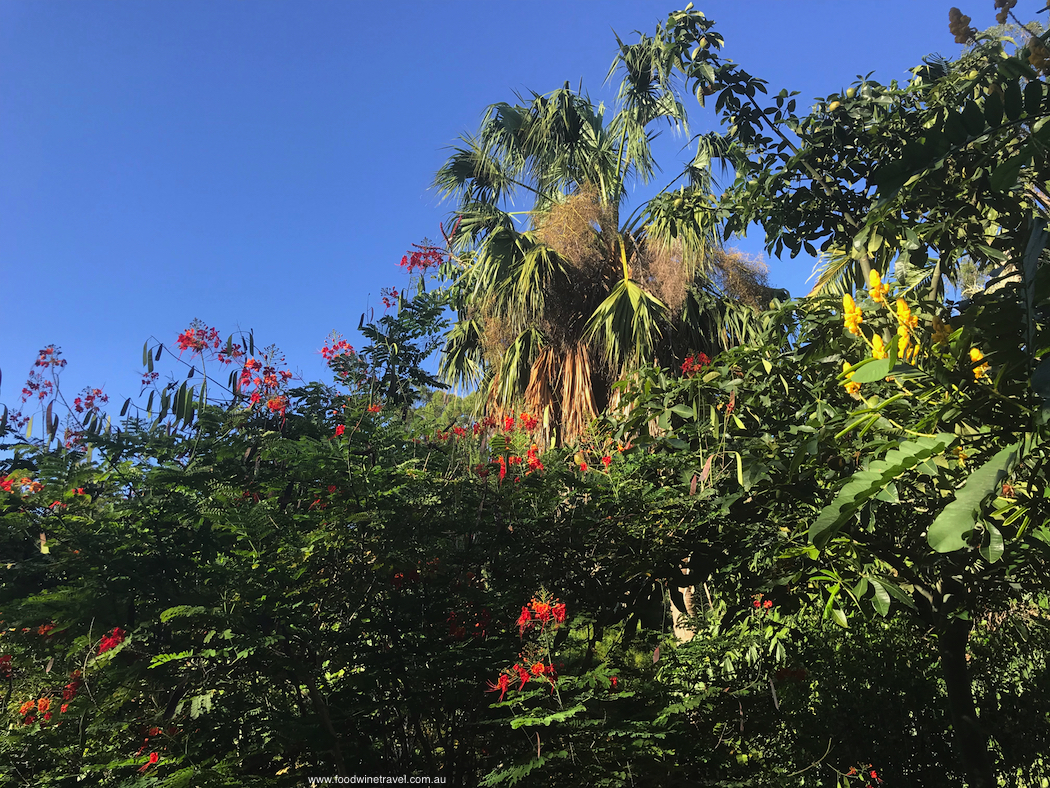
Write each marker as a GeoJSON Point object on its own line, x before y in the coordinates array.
{"type": "Point", "coordinates": [877, 290]}
{"type": "Point", "coordinates": [904, 314]}
{"type": "Point", "coordinates": [851, 315]}
{"type": "Point", "coordinates": [851, 387]}
{"type": "Point", "coordinates": [902, 344]}
{"type": "Point", "coordinates": [878, 348]}
{"type": "Point", "coordinates": [981, 370]}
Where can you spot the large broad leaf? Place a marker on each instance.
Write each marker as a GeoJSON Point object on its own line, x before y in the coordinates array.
{"type": "Point", "coordinates": [958, 518]}
{"type": "Point", "coordinates": [870, 481]}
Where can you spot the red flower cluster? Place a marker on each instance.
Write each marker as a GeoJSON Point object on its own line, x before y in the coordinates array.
{"type": "Point", "coordinates": [153, 758]}
{"type": "Point", "coordinates": [198, 337]}
{"type": "Point", "coordinates": [390, 296]}
{"type": "Point", "coordinates": [87, 402]}
{"type": "Point", "coordinates": [339, 347]}
{"type": "Point", "coordinates": [6, 484]}
{"type": "Point", "coordinates": [266, 379]}
{"type": "Point", "coordinates": [606, 461]}
{"type": "Point", "coordinates": [6, 670]}
{"type": "Point", "coordinates": [230, 353]}
{"type": "Point", "coordinates": [540, 611]}
{"type": "Point", "coordinates": [758, 603]}
{"type": "Point", "coordinates": [112, 640]}
{"type": "Point", "coordinates": [533, 460]}
{"type": "Point", "coordinates": [423, 259]}
{"type": "Point", "coordinates": [375, 408]}
{"type": "Point", "coordinates": [72, 688]}
{"type": "Point", "coordinates": [528, 422]}
{"type": "Point", "coordinates": [694, 364]}
{"type": "Point", "coordinates": [501, 685]}
{"type": "Point", "coordinates": [339, 429]}
{"type": "Point", "coordinates": [50, 357]}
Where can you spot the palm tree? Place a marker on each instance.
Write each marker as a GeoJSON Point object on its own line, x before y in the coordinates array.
{"type": "Point", "coordinates": [557, 301]}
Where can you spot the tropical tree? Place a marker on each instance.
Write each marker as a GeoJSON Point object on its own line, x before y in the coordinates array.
{"type": "Point", "coordinates": [558, 300]}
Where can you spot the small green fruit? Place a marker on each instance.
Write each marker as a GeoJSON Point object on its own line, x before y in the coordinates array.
{"type": "Point", "coordinates": [851, 93]}
{"type": "Point", "coordinates": [834, 105]}
{"type": "Point", "coordinates": [973, 74]}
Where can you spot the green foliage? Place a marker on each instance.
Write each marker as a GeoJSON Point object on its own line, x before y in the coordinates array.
{"type": "Point", "coordinates": [820, 558]}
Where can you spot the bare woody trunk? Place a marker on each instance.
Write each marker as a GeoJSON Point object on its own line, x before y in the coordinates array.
{"type": "Point", "coordinates": [971, 742]}
{"type": "Point", "coordinates": [682, 606]}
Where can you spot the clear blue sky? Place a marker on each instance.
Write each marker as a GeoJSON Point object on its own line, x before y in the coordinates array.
{"type": "Point", "coordinates": [264, 164]}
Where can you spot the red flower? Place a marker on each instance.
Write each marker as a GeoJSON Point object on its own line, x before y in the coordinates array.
{"type": "Point", "coordinates": [524, 675]}
{"type": "Point", "coordinates": [694, 364]}
{"type": "Point", "coordinates": [78, 491]}
{"type": "Point", "coordinates": [64, 707]}
{"type": "Point", "coordinates": [508, 424]}
{"type": "Point", "coordinates": [153, 758]}
{"type": "Point", "coordinates": [614, 681]}
{"type": "Point", "coordinates": [583, 467]}
{"type": "Point", "coordinates": [528, 421]}
{"type": "Point", "coordinates": [533, 460]}
{"type": "Point", "coordinates": [502, 684]}
{"type": "Point", "coordinates": [542, 611]}
{"type": "Point", "coordinates": [28, 706]}
{"type": "Point", "coordinates": [375, 408]}
{"type": "Point", "coordinates": [538, 669]}
{"type": "Point", "coordinates": [339, 430]}
{"type": "Point", "coordinates": [5, 484]}
{"type": "Point", "coordinates": [606, 461]}
{"type": "Point", "coordinates": [756, 603]}
{"type": "Point", "coordinates": [559, 612]}
{"type": "Point", "coordinates": [767, 604]}
{"type": "Point", "coordinates": [112, 640]}
{"type": "Point", "coordinates": [524, 621]}
{"type": "Point", "coordinates": [5, 666]}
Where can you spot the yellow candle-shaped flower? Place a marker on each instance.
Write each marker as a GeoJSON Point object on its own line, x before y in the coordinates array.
{"type": "Point", "coordinates": [877, 290]}
{"type": "Point", "coordinates": [878, 348]}
{"type": "Point", "coordinates": [904, 314]}
{"type": "Point", "coordinates": [851, 314]}
{"type": "Point", "coordinates": [851, 387]}
{"type": "Point", "coordinates": [980, 370]}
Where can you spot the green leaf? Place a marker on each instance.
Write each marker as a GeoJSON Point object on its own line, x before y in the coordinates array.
{"type": "Point", "coordinates": [839, 617]}
{"type": "Point", "coordinates": [1004, 177]}
{"type": "Point", "coordinates": [995, 548]}
{"type": "Point", "coordinates": [882, 598]}
{"type": "Point", "coordinates": [180, 611]}
{"type": "Point", "coordinates": [958, 518]}
{"type": "Point", "coordinates": [871, 371]}
{"type": "Point", "coordinates": [954, 128]}
{"type": "Point", "coordinates": [684, 411]}
{"type": "Point", "coordinates": [558, 716]}
{"type": "Point", "coordinates": [868, 482]}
